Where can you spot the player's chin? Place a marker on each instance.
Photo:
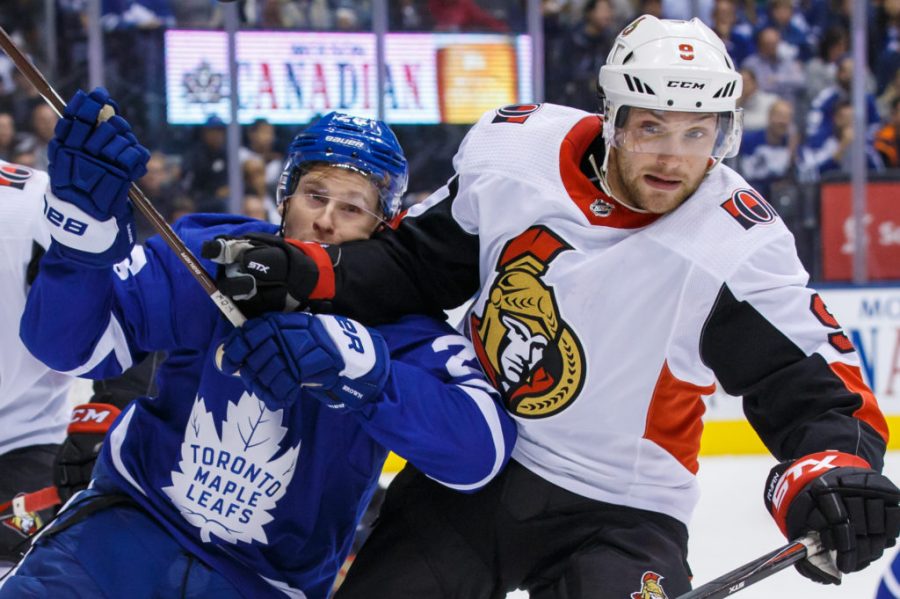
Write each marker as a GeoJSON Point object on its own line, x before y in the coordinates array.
{"type": "Point", "coordinates": [662, 202]}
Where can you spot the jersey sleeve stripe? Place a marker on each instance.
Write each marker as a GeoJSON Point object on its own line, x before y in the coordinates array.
{"type": "Point", "coordinates": [488, 407]}
{"type": "Point", "coordinates": [112, 341]}
{"type": "Point", "coordinates": [868, 412]}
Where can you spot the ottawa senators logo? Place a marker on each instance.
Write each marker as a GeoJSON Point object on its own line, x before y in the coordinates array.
{"type": "Point", "coordinates": [526, 349]}
{"type": "Point", "coordinates": [749, 209]}
{"type": "Point", "coordinates": [651, 587]}
{"type": "Point", "coordinates": [516, 113]}
{"type": "Point", "coordinates": [24, 525]}
{"type": "Point", "coordinates": [13, 175]}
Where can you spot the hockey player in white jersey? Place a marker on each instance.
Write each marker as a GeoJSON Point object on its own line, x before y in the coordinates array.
{"type": "Point", "coordinates": [248, 472]}
{"type": "Point", "coordinates": [33, 406]}
{"type": "Point", "coordinates": [619, 270]}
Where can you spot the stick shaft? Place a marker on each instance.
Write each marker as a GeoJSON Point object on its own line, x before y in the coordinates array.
{"type": "Point", "coordinates": [223, 302]}
{"type": "Point", "coordinates": [754, 571]}
{"type": "Point", "coordinates": [31, 502]}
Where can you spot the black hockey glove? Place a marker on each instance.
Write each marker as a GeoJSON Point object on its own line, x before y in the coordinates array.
{"type": "Point", "coordinates": [75, 460]}
{"type": "Point", "coordinates": [853, 508]}
{"type": "Point", "coordinates": [266, 273]}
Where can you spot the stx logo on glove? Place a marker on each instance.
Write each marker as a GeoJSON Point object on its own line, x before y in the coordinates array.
{"type": "Point", "coordinates": [58, 219]}
{"type": "Point", "coordinates": [349, 330]}
{"type": "Point", "coordinates": [257, 266]}
{"type": "Point", "coordinates": [800, 470]}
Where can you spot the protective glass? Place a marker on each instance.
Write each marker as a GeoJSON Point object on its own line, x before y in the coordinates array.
{"type": "Point", "coordinates": [314, 196]}
{"type": "Point", "coordinates": [291, 175]}
{"type": "Point", "coordinates": [706, 134]}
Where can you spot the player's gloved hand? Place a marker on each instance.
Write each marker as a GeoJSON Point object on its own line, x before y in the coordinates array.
{"type": "Point", "coordinates": [267, 273]}
{"type": "Point", "coordinates": [281, 357]}
{"type": "Point", "coordinates": [852, 507]}
{"type": "Point", "coordinates": [76, 456]}
{"type": "Point", "coordinates": [91, 168]}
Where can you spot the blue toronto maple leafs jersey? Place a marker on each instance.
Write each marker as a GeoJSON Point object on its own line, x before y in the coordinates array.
{"type": "Point", "coordinates": [269, 498]}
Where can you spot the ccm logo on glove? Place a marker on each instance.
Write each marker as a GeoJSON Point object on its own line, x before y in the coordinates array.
{"type": "Point", "coordinates": [92, 418]}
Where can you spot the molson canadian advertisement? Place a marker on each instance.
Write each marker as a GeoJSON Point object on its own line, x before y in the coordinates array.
{"type": "Point", "coordinates": [289, 77]}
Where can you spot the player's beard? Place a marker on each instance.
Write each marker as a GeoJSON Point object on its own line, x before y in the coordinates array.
{"type": "Point", "coordinates": [627, 178]}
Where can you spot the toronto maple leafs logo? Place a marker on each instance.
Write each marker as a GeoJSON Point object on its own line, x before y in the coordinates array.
{"type": "Point", "coordinates": [228, 486]}
{"type": "Point", "coordinates": [203, 85]}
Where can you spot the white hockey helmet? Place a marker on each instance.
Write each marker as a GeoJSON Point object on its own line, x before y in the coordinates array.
{"type": "Point", "coordinates": [669, 65]}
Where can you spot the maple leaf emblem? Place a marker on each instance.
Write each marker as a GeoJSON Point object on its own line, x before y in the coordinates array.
{"type": "Point", "coordinates": [228, 485]}
{"type": "Point", "coordinates": [203, 85]}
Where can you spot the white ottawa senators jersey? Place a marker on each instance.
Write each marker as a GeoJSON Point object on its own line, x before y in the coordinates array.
{"type": "Point", "coordinates": [33, 404]}
{"type": "Point", "coordinates": [603, 326]}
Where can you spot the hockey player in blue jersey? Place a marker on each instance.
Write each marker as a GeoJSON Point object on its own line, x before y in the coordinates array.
{"type": "Point", "coordinates": [248, 472]}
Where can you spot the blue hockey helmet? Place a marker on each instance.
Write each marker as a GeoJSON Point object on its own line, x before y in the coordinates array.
{"type": "Point", "coordinates": [366, 146]}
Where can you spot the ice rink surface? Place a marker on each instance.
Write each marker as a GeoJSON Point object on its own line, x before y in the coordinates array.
{"type": "Point", "coordinates": [731, 527]}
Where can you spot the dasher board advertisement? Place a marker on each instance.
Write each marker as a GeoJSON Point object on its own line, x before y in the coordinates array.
{"type": "Point", "coordinates": [289, 77]}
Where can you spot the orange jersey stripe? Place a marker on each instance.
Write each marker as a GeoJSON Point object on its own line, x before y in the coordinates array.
{"type": "Point", "coordinates": [869, 412]}
{"type": "Point", "coordinates": [674, 417]}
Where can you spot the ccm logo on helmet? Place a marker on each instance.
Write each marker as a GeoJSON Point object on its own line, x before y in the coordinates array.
{"type": "Point", "coordinates": [749, 209]}
{"type": "Point", "coordinates": [686, 84]}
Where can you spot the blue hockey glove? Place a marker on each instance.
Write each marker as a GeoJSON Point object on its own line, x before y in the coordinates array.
{"type": "Point", "coordinates": [281, 357]}
{"type": "Point", "coordinates": [91, 168]}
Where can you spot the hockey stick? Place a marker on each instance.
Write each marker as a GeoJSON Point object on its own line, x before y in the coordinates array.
{"type": "Point", "coordinates": [762, 567]}
{"type": "Point", "coordinates": [222, 301]}
{"type": "Point", "coordinates": [31, 502]}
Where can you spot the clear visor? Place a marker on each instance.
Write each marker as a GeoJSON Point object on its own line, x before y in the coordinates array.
{"type": "Point", "coordinates": [705, 134]}
{"type": "Point", "coordinates": [290, 183]}
{"type": "Point", "coordinates": [348, 203]}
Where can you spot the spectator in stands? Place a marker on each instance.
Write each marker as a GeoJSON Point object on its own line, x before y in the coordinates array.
{"type": "Point", "coordinates": [821, 70]}
{"type": "Point", "coordinates": [8, 138]}
{"type": "Point", "coordinates": [685, 10]}
{"type": "Point", "coordinates": [22, 101]}
{"type": "Point", "coordinates": [197, 14]}
{"type": "Point", "coordinates": [408, 15]}
{"type": "Point", "coordinates": [134, 59]}
{"type": "Point", "coordinates": [886, 99]}
{"type": "Point", "coordinates": [775, 73]}
{"type": "Point", "coordinates": [463, 15]}
{"type": "Point", "coordinates": [736, 34]}
{"type": "Point", "coordinates": [833, 154]}
{"type": "Point", "coordinates": [796, 38]}
{"type": "Point", "coordinates": [583, 51]}
{"type": "Point", "coordinates": [24, 152]}
{"type": "Point", "coordinates": [315, 14]}
{"type": "Point", "coordinates": [346, 18]}
{"type": "Point", "coordinates": [887, 140]}
{"type": "Point", "coordinates": [261, 144]}
{"type": "Point", "coordinates": [768, 155]}
{"type": "Point", "coordinates": [254, 172]}
{"type": "Point", "coordinates": [206, 175]}
{"type": "Point", "coordinates": [43, 122]}
{"type": "Point", "coordinates": [820, 119]}
{"type": "Point", "coordinates": [755, 102]}
{"type": "Point", "coordinates": [886, 42]}
{"type": "Point", "coordinates": [254, 207]}
{"type": "Point", "coordinates": [181, 205]}
{"type": "Point", "coordinates": [651, 7]}
{"type": "Point", "coordinates": [277, 14]}
{"type": "Point", "coordinates": [159, 187]}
